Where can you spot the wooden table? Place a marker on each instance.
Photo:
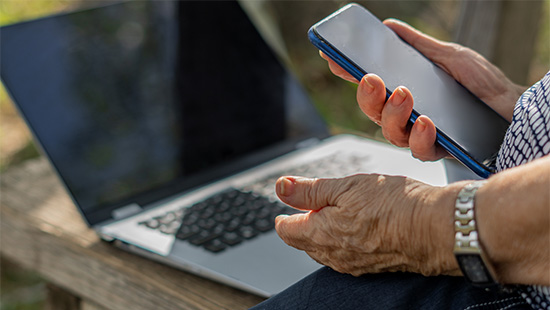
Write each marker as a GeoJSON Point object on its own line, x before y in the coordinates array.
{"type": "Point", "coordinates": [40, 229]}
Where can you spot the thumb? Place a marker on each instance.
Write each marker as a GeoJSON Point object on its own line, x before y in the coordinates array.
{"type": "Point", "coordinates": [309, 194]}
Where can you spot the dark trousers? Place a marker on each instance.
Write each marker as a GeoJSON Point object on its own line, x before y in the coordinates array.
{"type": "Point", "coordinates": [327, 289]}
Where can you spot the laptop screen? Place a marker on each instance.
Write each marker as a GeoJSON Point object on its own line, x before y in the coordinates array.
{"type": "Point", "coordinates": [138, 100]}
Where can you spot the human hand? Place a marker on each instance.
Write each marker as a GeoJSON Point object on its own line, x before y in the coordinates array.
{"type": "Point", "coordinates": [468, 67]}
{"type": "Point", "coordinates": [370, 224]}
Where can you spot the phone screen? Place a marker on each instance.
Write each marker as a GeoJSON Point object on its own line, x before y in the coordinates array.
{"type": "Point", "coordinates": [368, 44]}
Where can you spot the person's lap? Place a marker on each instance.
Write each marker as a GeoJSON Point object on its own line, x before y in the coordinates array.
{"type": "Point", "coordinates": [327, 289]}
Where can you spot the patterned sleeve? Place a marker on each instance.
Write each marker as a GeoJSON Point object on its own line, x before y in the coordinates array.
{"type": "Point", "coordinates": [528, 138]}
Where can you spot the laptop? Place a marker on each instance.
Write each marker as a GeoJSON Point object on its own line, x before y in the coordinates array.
{"type": "Point", "coordinates": [168, 123]}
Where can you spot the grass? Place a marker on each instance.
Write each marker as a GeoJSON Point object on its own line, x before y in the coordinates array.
{"type": "Point", "coordinates": [20, 288]}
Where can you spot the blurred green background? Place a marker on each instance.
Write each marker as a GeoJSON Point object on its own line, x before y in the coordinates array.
{"type": "Point", "coordinates": [289, 20]}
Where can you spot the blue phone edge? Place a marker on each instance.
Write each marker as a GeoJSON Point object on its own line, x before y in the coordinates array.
{"type": "Point", "coordinates": [353, 69]}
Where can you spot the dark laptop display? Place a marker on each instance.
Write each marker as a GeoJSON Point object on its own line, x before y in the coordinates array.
{"type": "Point", "coordinates": [147, 99]}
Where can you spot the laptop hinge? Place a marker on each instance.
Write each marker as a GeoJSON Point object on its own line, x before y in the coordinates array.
{"type": "Point", "coordinates": [126, 211]}
{"type": "Point", "coordinates": [307, 143]}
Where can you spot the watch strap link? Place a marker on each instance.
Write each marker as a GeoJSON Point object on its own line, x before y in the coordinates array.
{"type": "Point", "coordinates": [467, 248]}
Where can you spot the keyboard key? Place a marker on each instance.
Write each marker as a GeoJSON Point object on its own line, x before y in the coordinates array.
{"type": "Point", "coordinates": [170, 228]}
{"type": "Point", "coordinates": [239, 210]}
{"type": "Point", "coordinates": [190, 218]}
{"type": "Point", "coordinates": [231, 238]}
{"type": "Point", "coordinates": [167, 218]}
{"type": "Point", "coordinates": [152, 223]}
{"type": "Point", "coordinates": [207, 223]}
{"type": "Point", "coordinates": [247, 232]}
{"type": "Point", "coordinates": [249, 219]}
{"type": "Point", "coordinates": [264, 225]}
{"type": "Point", "coordinates": [208, 212]}
{"type": "Point", "coordinates": [187, 231]}
{"type": "Point", "coordinates": [223, 217]}
{"type": "Point", "coordinates": [215, 246]}
{"type": "Point", "coordinates": [223, 206]}
{"type": "Point", "coordinates": [233, 225]}
{"type": "Point", "coordinates": [202, 237]}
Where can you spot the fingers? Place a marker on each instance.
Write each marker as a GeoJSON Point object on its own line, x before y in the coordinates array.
{"type": "Point", "coordinates": [392, 115]}
{"type": "Point", "coordinates": [337, 70]}
{"type": "Point", "coordinates": [371, 97]}
{"type": "Point", "coordinates": [422, 140]}
{"type": "Point", "coordinates": [307, 231]}
{"type": "Point", "coordinates": [303, 231]}
{"type": "Point", "coordinates": [292, 229]}
{"type": "Point", "coordinates": [395, 117]}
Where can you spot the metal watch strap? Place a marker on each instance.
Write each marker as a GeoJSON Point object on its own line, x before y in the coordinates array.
{"type": "Point", "coordinates": [468, 251]}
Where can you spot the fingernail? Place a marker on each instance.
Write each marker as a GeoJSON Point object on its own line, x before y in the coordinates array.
{"type": "Point", "coordinates": [400, 97]}
{"type": "Point", "coordinates": [370, 87]}
{"type": "Point", "coordinates": [286, 187]}
{"type": "Point", "coordinates": [421, 126]}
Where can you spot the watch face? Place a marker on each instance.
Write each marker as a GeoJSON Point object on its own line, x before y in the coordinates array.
{"type": "Point", "coordinates": [474, 269]}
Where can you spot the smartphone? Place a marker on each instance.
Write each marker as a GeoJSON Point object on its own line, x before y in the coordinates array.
{"type": "Point", "coordinates": [360, 43]}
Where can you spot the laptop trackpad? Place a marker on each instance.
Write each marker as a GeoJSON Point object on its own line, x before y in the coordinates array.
{"type": "Point", "coordinates": [265, 263]}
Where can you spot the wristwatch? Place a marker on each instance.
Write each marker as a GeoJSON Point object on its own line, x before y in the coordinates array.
{"type": "Point", "coordinates": [468, 250]}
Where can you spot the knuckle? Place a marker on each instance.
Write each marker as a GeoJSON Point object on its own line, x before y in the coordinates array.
{"type": "Point", "coordinates": [314, 192]}
{"type": "Point", "coordinates": [395, 135]}
{"type": "Point", "coordinates": [326, 191]}
{"type": "Point", "coordinates": [457, 49]}
{"type": "Point", "coordinates": [397, 141]}
{"type": "Point", "coordinates": [375, 116]}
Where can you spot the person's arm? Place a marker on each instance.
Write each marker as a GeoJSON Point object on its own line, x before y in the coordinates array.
{"type": "Point", "coordinates": [514, 222]}
{"type": "Point", "coordinates": [375, 223]}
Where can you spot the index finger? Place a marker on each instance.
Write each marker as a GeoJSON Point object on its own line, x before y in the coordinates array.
{"type": "Point", "coordinates": [337, 70]}
{"type": "Point", "coordinates": [425, 44]}
{"type": "Point", "coordinates": [294, 230]}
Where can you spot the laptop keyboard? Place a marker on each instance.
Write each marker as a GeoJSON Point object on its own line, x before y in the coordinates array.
{"type": "Point", "coordinates": [231, 217]}
{"type": "Point", "coordinates": [228, 218]}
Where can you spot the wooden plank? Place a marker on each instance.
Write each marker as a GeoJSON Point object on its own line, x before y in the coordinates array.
{"type": "Point", "coordinates": [60, 299]}
{"type": "Point", "coordinates": [85, 305]}
{"type": "Point", "coordinates": [41, 230]}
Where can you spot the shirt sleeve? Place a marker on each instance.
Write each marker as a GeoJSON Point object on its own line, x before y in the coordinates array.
{"type": "Point", "coordinates": [528, 138]}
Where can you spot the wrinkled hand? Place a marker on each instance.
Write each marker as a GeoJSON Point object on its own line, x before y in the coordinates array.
{"type": "Point", "coordinates": [468, 67]}
{"type": "Point", "coordinates": [369, 224]}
